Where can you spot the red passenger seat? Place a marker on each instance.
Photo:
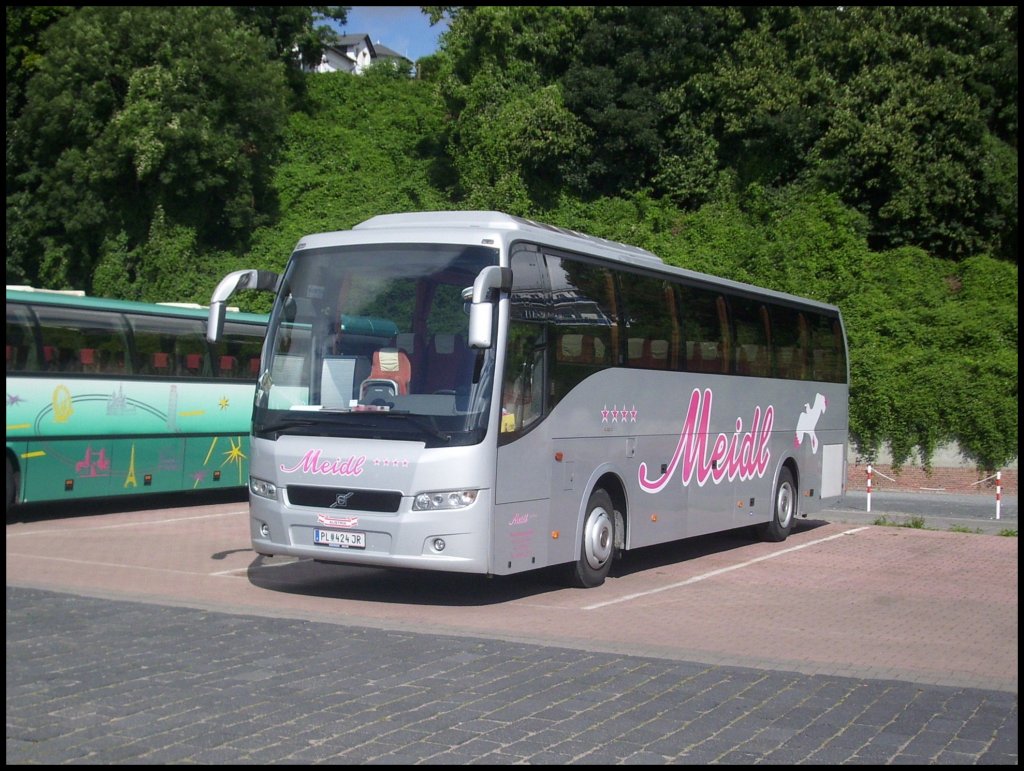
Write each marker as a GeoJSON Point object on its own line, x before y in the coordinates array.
{"type": "Point", "coordinates": [392, 364]}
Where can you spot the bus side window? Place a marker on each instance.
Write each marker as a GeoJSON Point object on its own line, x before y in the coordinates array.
{"type": "Point", "coordinates": [828, 356]}
{"type": "Point", "coordinates": [652, 328]}
{"type": "Point", "coordinates": [751, 344]}
{"type": "Point", "coordinates": [789, 343]}
{"type": "Point", "coordinates": [705, 328]}
{"type": "Point", "coordinates": [239, 345]}
{"type": "Point", "coordinates": [193, 355]}
{"type": "Point", "coordinates": [584, 322]}
{"type": "Point", "coordinates": [154, 343]}
{"type": "Point", "coordinates": [22, 355]}
{"type": "Point", "coordinates": [83, 340]}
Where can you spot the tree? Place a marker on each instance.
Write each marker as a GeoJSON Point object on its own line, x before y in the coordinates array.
{"type": "Point", "coordinates": [337, 171]}
{"type": "Point", "coordinates": [630, 59]}
{"type": "Point", "coordinates": [511, 137]}
{"type": "Point", "coordinates": [25, 23]}
{"type": "Point", "coordinates": [135, 115]}
{"type": "Point", "coordinates": [907, 113]}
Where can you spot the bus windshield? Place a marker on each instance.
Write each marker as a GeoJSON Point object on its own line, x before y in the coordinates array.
{"type": "Point", "coordinates": [371, 341]}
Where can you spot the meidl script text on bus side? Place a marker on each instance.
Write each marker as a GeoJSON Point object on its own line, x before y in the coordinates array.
{"type": "Point", "coordinates": [745, 454]}
{"type": "Point", "coordinates": [311, 464]}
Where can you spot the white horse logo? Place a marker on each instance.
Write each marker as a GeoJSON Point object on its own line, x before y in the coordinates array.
{"type": "Point", "coordinates": [808, 421]}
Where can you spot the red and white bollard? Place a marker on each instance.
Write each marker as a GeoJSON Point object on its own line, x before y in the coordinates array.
{"type": "Point", "coordinates": [999, 490]}
{"type": "Point", "coordinates": [869, 489]}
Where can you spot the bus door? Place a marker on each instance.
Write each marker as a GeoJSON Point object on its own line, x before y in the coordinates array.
{"type": "Point", "coordinates": [524, 460]}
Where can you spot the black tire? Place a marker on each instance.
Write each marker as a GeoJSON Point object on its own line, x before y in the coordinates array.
{"type": "Point", "coordinates": [12, 487]}
{"type": "Point", "coordinates": [597, 549]}
{"type": "Point", "coordinates": [784, 506]}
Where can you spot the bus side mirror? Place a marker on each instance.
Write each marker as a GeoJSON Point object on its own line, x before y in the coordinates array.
{"type": "Point", "coordinates": [263, 280]}
{"type": "Point", "coordinates": [481, 311]}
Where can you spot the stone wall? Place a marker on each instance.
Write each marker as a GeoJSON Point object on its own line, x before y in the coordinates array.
{"type": "Point", "coordinates": [958, 480]}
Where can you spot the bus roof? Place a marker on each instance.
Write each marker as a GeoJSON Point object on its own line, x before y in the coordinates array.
{"type": "Point", "coordinates": [481, 226]}
{"type": "Point", "coordinates": [77, 299]}
{"type": "Point", "coordinates": [494, 220]}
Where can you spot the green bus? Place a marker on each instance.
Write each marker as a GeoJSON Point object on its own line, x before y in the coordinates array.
{"type": "Point", "coordinates": [110, 397]}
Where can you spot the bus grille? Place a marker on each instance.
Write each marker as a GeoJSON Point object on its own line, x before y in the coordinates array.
{"type": "Point", "coordinates": [345, 500]}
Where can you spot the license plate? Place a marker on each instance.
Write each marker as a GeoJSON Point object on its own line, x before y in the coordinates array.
{"type": "Point", "coordinates": [340, 539]}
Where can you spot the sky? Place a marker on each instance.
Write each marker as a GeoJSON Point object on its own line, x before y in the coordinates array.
{"type": "Point", "coordinates": [402, 28]}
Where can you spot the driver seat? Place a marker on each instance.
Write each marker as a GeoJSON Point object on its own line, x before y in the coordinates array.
{"type": "Point", "coordinates": [391, 364]}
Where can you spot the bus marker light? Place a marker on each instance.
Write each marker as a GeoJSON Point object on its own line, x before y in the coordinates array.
{"type": "Point", "coordinates": [69, 485]}
{"type": "Point", "coordinates": [147, 480]}
{"type": "Point", "coordinates": [554, 534]}
{"type": "Point", "coordinates": [654, 517]}
{"type": "Point", "coordinates": [559, 456]}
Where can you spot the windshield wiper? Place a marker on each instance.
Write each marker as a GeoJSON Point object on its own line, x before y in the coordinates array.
{"type": "Point", "coordinates": [356, 418]}
{"type": "Point", "coordinates": [420, 423]}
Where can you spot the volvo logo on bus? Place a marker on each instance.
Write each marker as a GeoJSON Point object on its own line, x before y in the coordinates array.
{"type": "Point", "coordinates": [341, 500]}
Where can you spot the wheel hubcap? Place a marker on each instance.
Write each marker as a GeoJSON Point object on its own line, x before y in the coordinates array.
{"type": "Point", "coordinates": [784, 505]}
{"type": "Point", "coordinates": [597, 539]}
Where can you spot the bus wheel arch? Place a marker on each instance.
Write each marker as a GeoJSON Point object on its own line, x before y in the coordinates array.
{"type": "Point", "coordinates": [785, 505]}
{"type": "Point", "coordinates": [612, 485]}
{"type": "Point", "coordinates": [602, 534]}
{"type": "Point", "coordinates": [13, 479]}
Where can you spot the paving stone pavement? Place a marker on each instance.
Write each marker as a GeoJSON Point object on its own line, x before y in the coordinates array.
{"type": "Point", "coordinates": [94, 681]}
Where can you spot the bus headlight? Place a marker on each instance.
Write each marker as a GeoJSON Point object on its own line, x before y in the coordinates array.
{"type": "Point", "coordinates": [262, 488]}
{"type": "Point", "coordinates": [444, 500]}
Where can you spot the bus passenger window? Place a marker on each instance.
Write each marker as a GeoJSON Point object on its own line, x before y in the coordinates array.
{"type": "Point", "coordinates": [651, 322]}
{"type": "Point", "coordinates": [827, 352]}
{"type": "Point", "coordinates": [239, 344]}
{"type": "Point", "coordinates": [21, 350]}
{"type": "Point", "coordinates": [706, 328]}
{"type": "Point", "coordinates": [584, 320]}
{"type": "Point", "coordinates": [750, 324]}
{"type": "Point", "coordinates": [789, 343]}
{"type": "Point", "coordinates": [81, 340]}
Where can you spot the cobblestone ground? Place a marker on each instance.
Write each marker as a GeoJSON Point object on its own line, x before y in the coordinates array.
{"type": "Point", "coordinates": [108, 682]}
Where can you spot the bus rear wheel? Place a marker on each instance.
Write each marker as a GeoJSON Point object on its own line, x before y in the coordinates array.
{"type": "Point", "coordinates": [597, 548]}
{"type": "Point", "coordinates": [783, 509]}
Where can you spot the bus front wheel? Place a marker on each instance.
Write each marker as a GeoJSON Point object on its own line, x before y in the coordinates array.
{"type": "Point", "coordinates": [598, 545]}
{"type": "Point", "coordinates": [783, 509]}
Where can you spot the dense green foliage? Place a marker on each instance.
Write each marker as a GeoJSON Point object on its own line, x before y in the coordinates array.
{"type": "Point", "coordinates": [360, 147]}
{"type": "Point", "coordinates": [863, 156]}
{"type": "Point", "coordinates": [908, 114]}
{"type": "Point", "coordinates": [140, 125]}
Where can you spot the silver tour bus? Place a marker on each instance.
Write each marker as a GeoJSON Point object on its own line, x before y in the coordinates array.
{"type": "Point", "coordinates": [480, 393]}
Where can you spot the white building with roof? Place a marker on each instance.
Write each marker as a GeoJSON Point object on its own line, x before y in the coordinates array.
{"type": "Point", "coordinates": [354, 53]}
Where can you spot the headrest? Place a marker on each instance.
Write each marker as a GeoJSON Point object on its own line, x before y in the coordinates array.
{"type": "Point", "coordinates": [389, 361]}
